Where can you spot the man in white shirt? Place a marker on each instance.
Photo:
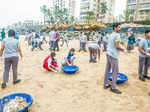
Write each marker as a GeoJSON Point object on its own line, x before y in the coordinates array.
{"type": "Point", "coordinates": [113, 51]}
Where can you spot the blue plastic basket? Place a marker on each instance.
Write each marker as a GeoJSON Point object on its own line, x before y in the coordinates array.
{"type": "Point", "coordinates": [28, 98]}
{"type": "Point", "coordinates": [121, 77]}
{"type": "Point", "coordinates": [70, 69]}
{"type": "Point", "coordinates": [1, 106]}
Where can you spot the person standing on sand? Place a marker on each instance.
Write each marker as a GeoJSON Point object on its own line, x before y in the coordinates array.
{"type": "Point", "coordinates": [56, 43]}
{"type": "Point", "coordinates": [52, 39]}
{"type": "Point", "coordinates": [83, 41]}
{"type": "Point", "coordinates": [44, 38]}
{"type": "Point", "coordinates": [105, 41]}
{"type": "Point", "coordinates": [144, 56]}
{"type": "Point", "coordinates": [3, 34]}
{"type": "Point", "coordinates": [113, 51]}
{"type": "Point", "coordinates": [64, 39]}
{"type": "Point", "coordinates": [11, 48]}
{"type": "Point", "coordinates": [131, 42]}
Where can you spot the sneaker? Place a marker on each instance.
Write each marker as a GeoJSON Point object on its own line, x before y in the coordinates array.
{"type": "Point", "coordinates": [3, 85]}
{"type": "Point", "coordinates": [146, 77]}
{"type": "Point", "coordinates": [94, 61]}
{"type": "Point", "coordinates": [142, 78]}
{"type": "Point", "coordinates": [16, 81]}
{"type": "Point", "coordinates": [115, 91]}
{"type": "Point", "coordinates": [106, 87]}
{"type": "Point", "coordinates": [90, 61]}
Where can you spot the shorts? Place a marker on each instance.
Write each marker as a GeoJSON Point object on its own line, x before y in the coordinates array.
{"type": "Point", "coordinates": [130, 47]}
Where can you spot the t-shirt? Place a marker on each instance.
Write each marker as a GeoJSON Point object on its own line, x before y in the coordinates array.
{"type": "Point", "coordinates": [52, 36]}
{"type": "Point", "coordinates": [83, 38]}
{"type": "Point", "coordinates": [145, 44]}
{"type": "Point", "coordinates": [17, 36]}
{"type": "Point", "coordinates": [2, 34]}
{"type": "Point", "coordinates": [131, 40]}
{"type": "Point", "coordinates": [50, 62]}
{"type": "Point", "coordinates": [105, 39]}
{"type": "Point", "coordinates": [37, 36]}
{"type": "Point", "coordinates": [94, 45]}
{"type": "Point", "coordinates": [111, 48]}
{"type": "Point", "coordinates": [10, 47]}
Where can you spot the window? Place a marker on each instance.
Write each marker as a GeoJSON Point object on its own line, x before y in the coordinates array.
{"type": "Point", "coordinates": [142, 12]}
{"type": "Point", "coordinates": [145, 6]}
{"type": "Point", "coordinates": [131, 1]}
{"type": "Point", "coordinates": [132, 7]}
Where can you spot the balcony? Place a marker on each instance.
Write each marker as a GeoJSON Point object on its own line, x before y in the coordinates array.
{"type": "Point", "coordinates": [144, 1]}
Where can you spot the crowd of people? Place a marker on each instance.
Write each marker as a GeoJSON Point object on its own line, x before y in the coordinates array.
{"type": "Point", "coordinates": [96, 42]}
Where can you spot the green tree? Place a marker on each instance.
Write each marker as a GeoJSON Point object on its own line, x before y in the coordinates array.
{"type": "Point", "coordinates": [90, 16]}
{"type": "Point", "coordinates": [44, 11]}
{"type": "Point", "coordinates": [126, 15]}
{"type": "Point", "coordinates": [103, 9]}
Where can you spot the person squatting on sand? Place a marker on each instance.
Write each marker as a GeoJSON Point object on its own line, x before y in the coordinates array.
{"type": "Point", "coordinates": [69, 59]}
{"type": "Point", "coordinates": [94, 50]}
{"type": "Point", "coordinates": [50, 63]}
{"type": "Point", "coordinates": [144, 56]}
{"type": "Point", "coordinates": [113, 52]}
{"type": "Point", "coordinates": [83, 41]}
{"type": "Point", "coordinates": [11, 48]}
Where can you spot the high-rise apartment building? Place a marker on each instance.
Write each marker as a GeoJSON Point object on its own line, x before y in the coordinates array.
{"type": "Point", "coordinates": [141, 9]}
{"type": "Point", "coordinates": [94, 5]}
{"type": "Point", "coordinates": [69, 4]}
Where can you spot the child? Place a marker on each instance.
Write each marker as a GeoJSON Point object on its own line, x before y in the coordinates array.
{"type": "Point", "coordinates": [68, 61]}
{"type": "Point", "coordinates": [94, 50]}
{"type": "Point", "coordinates": [50, 63]}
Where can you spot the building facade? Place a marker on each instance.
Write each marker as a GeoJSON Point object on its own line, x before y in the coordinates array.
{"type": "Point", "coordinates": [69, 4]}
{"type": "Point", "coordinates": [94, 6]}
{"type": "Point", "coordinates": [141, 9]}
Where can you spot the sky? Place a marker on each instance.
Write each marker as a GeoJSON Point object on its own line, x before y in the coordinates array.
{"type": "Point", "coordinates": [19, 10]}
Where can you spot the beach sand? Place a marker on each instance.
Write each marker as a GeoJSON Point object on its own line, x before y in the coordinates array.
{"type": "Point", "coordinates": [82, 92]}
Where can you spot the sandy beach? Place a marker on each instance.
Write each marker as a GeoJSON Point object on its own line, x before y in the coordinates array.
{"type": "Point", "coordinates": [82, 92]}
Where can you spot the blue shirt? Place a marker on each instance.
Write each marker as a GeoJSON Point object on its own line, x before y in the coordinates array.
{"type": "Point", "coordinates": [131, 40]}
{"type": "Point", "coordinates": [17, 36]}
{"type": "Point", "coordinates": [145, 44]}
{"type": "Point", "coordinates": [37, 36]}
{"type": "Point", "coordinates": [10, 47]}
{"type": "Point", "coordinates": [111, 48]}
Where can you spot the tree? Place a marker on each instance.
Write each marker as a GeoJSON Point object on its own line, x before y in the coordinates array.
{"type": "Point", "coordinates": [44, 11]}
{"type": "Point", "coordinates": [90, 16]}
{"type": "Point", "coordinates": [126, 15]}
{"type": "Point", "coordinates": [103, 9]}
